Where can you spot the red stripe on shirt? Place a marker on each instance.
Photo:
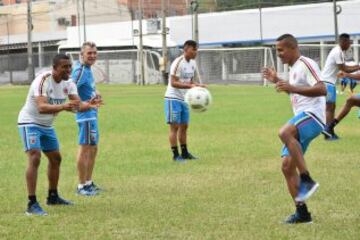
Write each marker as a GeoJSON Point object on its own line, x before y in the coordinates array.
{"type": "Point", "coordinates": [178, 64]}
{"type": "Point", "coordinates": [311, 69]}
{"type": "Point", "coordinates": [42, 83]}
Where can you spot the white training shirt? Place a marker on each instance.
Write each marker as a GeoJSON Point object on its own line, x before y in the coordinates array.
{"type": "Point", "coordinates": [186, 72]}
{"type": "Point", "coordinates": [305, 72]}
{"type": "Point", "coordinates": [56, 93]}
{"type": "Point", "coordinates": [335, 57]}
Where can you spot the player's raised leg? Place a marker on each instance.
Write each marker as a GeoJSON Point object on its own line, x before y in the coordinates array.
{"type": "Point", "coordinates": [293, 180]}
{"type": "Point", "coordinates": [296, 147]}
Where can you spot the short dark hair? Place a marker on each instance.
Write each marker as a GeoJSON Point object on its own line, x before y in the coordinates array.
{"type": "Point", "coordinates": [289, 39]}
{"type": "Point", "coordinates": [58, 58]}
{"type": "Point", "coordinates": [190, 43]}
{"type": "Point", "coordinates": [344, 36]}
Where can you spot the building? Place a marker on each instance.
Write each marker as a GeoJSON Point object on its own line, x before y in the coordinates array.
{"type": "Point", "coordinates": [51, 18]}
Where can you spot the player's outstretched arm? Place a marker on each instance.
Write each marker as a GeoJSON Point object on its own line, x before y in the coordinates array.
{"type": "Point", "coordinates": [45, 108]}
{"type": "Point", "coordinates": [342, 74]}
{"type": "Point", "coordinates": [85, 106]}
{"type": "Point", "coordinates": [319, 89]}
{"type": "Point", "coordinates": [348, 69]}
{"type": "Point", "coordinates": [271, 75]}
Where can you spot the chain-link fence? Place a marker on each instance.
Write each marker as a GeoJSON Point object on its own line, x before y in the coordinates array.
{"type": "Point", "coordinates": [123, 66]}
{"type": "Point", "coordinates": [220, 65]}
{"type": "Point", "coordinates": [234, 65]}
{"type": "Point", "coordinates": [14, 66]}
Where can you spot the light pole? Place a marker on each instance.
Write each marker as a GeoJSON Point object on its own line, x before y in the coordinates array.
{"type": "Point", "coordinates": [195, 20]}
{"type": "Point", "coordinates": [141, 46]}
{"type": "Point", "coordinates": [84, 20]}
{"type": "Point", "coordinates": [31, 73]}
{"type": "Point", "coordinates": [164, 43]}
{"type": "Point", "coordinates": [335, 20]}
{"type": "Point", "coordinates": [78, 21]}
{"type": "Point", "coordinates": [8, 49]}
{"type": "Point", "coordinates": [260, 23]}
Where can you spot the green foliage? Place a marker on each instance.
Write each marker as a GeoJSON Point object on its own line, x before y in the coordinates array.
{"type": "Point", "coordinates": [243, 4]}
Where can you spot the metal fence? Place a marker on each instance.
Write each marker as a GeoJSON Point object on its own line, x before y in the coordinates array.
{"type": "Point", "coordinates": [13, 67]}
{"type": "Point", "coordinates": [220, 65]}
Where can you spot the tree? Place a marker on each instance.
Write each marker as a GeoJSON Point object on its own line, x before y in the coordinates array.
{"type": "Point", "coordinates": [244, 4]}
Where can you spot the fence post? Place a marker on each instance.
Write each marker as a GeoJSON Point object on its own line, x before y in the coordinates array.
{"type": "Point", "coordinates": [224, 74]}
{"type": "Point", "coordinates": [356, 49]}
{"type": "Point", "coordinates": [40, 52]}
{"type": "Point", "coordinates": [322, 54]}
{"type": "Point", "coordinates": [265, 83]}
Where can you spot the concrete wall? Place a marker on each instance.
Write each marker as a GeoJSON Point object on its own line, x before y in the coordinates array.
{"type": "Point", "coordinates": [46, 15]}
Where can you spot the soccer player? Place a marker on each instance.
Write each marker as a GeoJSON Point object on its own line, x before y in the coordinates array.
{"type": "Point", "coordinates": [307, 93]}
{"type": "Point", "coordinates": [87, 121]}
{"type": "Point", "coordinates": [45, 100]}
{"type": "Point", "coordinates": [183, 72]}
{"type": "Point", "coordinates": [335, 62]}
{"type": "Point", "coordinates": [352, 101]}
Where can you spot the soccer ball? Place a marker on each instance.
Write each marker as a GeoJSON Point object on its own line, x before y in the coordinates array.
{"type": "Point", "coordinates": [198, 99]}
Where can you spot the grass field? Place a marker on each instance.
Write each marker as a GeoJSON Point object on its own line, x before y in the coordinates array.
{"type": "Point", "coordinates": [235, 191]}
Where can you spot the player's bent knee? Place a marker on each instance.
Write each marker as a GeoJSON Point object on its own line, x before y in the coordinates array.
{"type": "Point", "coordinates": [284, 134]}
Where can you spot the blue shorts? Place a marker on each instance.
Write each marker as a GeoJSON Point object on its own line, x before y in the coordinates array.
{"type": "Point", "coordinates": [331, 93]}
{"type": "Point", "coordinates": [345, 81]}
{"type": "Point", "coordinates": [176, 111]}
{"type": "Point", "coordinates": [308, 128]}
{"type": "Point", "coordinates": [88, 132]}
{"type": "Point", "coordinates": [34, 137]}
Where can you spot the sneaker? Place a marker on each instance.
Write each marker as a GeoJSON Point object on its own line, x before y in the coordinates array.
{"type": "Point", "coordinates": [56, 200]}
{"type": "Point", "coordinates": [35, 209]}
{"type": "Point", "coordinates": [330, 134]}
{"type": "Point", "coordinates": [189, 156]}
{"type": "Point", "coordinates": [95, 187]}
{"type": "Point", "coordinates": [298, 218]}
{"type": "Point", "coordinates": [179, 159]}
{"type": "Point", "coordinates": [332, 137]}
{"type": "Point", "coordinates": [306, 189]}
{"type": "Point", "coordinates": [86, 191]}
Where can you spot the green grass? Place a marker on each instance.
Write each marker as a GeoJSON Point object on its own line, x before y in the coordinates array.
{"type": "Point", "coordinates": [236, 190]}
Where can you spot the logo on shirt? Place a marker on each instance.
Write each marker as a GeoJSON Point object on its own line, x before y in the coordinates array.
{"type": "Point", "coordinates": [51, 91]}
{"type": "Point", "coordinates": [66, 91]}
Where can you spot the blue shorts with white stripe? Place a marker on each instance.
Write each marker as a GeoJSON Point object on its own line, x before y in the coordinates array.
{"type": "Point", "coordinates": [88, 132]}
{"type": "Point", "coordinates": [176, 111]}
{"type": "Point", "coordinates": [40, 138]}
{"type": "Point", "coordinates": [308, 126]}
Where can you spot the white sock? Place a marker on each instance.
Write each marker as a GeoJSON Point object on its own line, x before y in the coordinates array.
{"type": "Point", "coordinates": [88, 183]}
{"type": "Point", "coordinates": [80, 185]}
